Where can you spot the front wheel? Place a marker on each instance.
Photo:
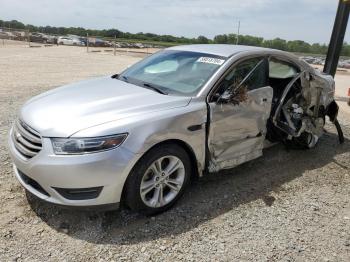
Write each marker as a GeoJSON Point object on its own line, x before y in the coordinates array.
{"type": "Point", "coordinates": [158, 180]}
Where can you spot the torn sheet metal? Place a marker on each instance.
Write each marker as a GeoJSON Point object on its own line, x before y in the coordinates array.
{"type": "Point", "coordinates": [303, 112]}
{"type": "Point", "coordinates": [237, 130]}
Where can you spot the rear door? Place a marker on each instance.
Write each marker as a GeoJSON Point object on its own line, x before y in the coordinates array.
{"type": "Point", "coordinates": [239, 109]}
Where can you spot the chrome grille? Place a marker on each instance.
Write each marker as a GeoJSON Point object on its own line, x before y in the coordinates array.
{"type": "Point", "coordinates": [26, 140]}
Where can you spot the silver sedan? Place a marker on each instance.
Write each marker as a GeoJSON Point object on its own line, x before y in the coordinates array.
{"type": "Point", "coordinates": [142, 135]}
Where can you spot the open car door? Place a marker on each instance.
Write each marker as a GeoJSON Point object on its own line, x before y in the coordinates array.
{"type": "Point", "coordinates": [239, 109]}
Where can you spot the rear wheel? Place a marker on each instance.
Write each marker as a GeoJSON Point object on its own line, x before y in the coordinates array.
{"type": "Point", "coordinates": [158, 180]}
{"type": "Point", "coordinates": [305, 141]}
{"type": "Point", "coordinates": [308, 140]}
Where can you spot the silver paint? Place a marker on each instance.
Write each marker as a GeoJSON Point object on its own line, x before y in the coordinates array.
{"type": "Point", "coordinates": [106, 106]}
{"type": "Point", "coordinates": [237, 132]}
{"type": "Point", "coordinates": [161, 183]}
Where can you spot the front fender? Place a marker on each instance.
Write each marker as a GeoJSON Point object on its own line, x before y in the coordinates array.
{"type": "Point", "coordinates": [187, 127]}
{"type": "Point", "coordinates": [148, 130]}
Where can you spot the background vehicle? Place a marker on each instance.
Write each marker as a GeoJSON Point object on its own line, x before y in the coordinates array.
{"type": "Point", "coordinates": [38, 38]}
{"type": "Point", "coordinates": [140, 136]}
{"type": "Point", "coordinates": [51, 39]}
{"type": "Point", "coordinates": [96, 42]}
{"type": "Point", "coordinates": [3, 35]}
{"type": "Point", "coordinates": [65, 40]}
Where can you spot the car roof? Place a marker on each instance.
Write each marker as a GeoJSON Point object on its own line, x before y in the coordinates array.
{"type": "Point", "coordinates": [219, 49]}
{"type": "Point", "coordinates": [225, 50]}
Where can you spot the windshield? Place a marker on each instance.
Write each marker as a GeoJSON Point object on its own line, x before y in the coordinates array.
{"type": "Point", "coordinates": [173, 72]}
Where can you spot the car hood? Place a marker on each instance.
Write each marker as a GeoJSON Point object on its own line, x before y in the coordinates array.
{"type": "Point", "coordinates": [64, 111]}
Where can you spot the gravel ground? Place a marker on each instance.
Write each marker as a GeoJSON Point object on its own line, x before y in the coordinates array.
{"type": "Point", "coordinates": [286, 205]}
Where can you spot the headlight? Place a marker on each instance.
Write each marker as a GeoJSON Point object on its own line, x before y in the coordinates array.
{"type": "Point", "coordinates": [73, 146]}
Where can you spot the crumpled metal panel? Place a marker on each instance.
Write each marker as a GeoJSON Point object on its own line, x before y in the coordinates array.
{"type": "Point", "coordinates": [327, 87]}
{"type": "Point", "coordinates": [245, 154]}
{"type": "Point", "coordinates": [317, 90]}
{"type": "Point", "coordinates": [237, 130]}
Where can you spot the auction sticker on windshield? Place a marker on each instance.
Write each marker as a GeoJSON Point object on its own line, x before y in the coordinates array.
{"type": "Point", "coordinates": [210, 60]}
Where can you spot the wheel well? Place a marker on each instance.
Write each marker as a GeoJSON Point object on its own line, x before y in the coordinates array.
{"type": "Point", "coordinates": [185, 146]}
{"type": "Point", "coordinates": [188, 150]}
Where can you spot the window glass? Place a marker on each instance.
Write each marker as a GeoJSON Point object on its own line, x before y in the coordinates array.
{"type": "Point", "coordinates": [281, 70]}
{"type": "Point", "coordinates": [162, 67]}
{"type": "Point", "coordinates": [250, 74]}
{"type": "Point", "coordinates": [258, 77]}
{"type": "Point", "coordinates": [174, 72]}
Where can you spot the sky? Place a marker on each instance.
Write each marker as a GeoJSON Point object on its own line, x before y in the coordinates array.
{"type": "Point", "coordinates": [308, 20]}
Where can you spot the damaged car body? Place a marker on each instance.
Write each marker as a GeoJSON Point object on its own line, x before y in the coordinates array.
{"type": "Point", "coordinates": [138, 137]}
{"type": "Point", "coordinates": [281, 99]}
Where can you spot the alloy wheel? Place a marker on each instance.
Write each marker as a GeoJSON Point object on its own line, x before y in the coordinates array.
{"type": "Point", "coordinates": [162, 181]}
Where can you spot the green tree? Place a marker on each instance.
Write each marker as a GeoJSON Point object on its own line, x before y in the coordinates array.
{"type": "Point", "coordinates": [345, 50]}
{"type": "Point", "coordinates": [220, 39]}
{"type": "Point", "coordinates": [232, 39]}
{"type": "Point", "coordinates": [298, 46]}
{"type": "Point", "coordinates": [276, 43]}
{"type": "Point", "coordinates": [250, 40]}
{"type": "Point", "coordinates": [202, 40]}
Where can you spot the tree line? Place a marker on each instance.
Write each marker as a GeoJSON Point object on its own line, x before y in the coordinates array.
{"type": "Point", "coordinates": [277, 43]}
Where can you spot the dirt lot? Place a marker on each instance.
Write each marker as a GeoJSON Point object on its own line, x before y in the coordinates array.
{"type": "Point", "coordinates": [287, 205]}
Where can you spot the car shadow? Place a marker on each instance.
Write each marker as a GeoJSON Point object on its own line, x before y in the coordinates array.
{"type": "Point", "coordinates": [207, 198]}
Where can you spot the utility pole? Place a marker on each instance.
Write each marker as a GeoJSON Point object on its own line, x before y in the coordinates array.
{"type": "Point", "coordinates": [115, 44]}
{"type": "Point", "coordinates": [87, 42]}
{"type": "Point", "coordinates": [337, 38]}
{"type": "Point", "coordinates": [28, 37]}
{"type": "Point", "coordinates": [239, 26]}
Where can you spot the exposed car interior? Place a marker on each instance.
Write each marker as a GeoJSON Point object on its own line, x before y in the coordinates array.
{"type": "Point", "coordinates": [248, 75]}
{"type": "Point", "coordinates": [294, 120]}
{"type": "Point", "coordinates": [280, 75]}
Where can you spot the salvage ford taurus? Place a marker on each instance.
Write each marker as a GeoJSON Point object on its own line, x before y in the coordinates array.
{"type": "Point", "coordinates": [139, 137]}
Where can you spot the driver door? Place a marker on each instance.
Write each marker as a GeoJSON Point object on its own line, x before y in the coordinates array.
{"type": "Point", "coordinates": [239, 110]}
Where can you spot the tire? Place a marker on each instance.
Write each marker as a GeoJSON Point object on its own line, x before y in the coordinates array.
{"type": "Point", "coordinates": [150, 189]}
{"type": "Point", "coordinates": [305, 141]}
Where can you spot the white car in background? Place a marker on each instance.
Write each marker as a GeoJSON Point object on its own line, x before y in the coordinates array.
{"type": "Point", "coordinates": [65, 40]}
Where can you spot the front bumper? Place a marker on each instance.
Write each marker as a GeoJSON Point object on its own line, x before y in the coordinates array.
{"type": "Point", "coordinates": [106, 171]}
